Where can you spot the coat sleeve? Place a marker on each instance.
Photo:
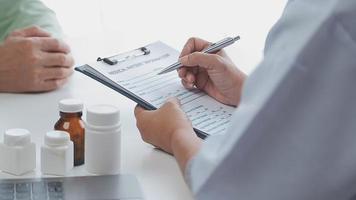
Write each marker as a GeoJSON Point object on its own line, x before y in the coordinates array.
{"type": "Point", "coordinates": [293, 136]}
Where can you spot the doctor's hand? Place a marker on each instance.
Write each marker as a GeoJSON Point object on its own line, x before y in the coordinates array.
{"type": "Point", "coordinates": [169, 129]}
{"type": "Point", "coordinates": [33, 61]}
{"type": "Point", "coordinates": [215, 74]}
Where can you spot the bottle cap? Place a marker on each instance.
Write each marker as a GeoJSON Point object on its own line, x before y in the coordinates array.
{"type": "Point", "coordinates": [56, 138]}
{"type": "Point", "coordinates": [17, 137]}
{"type": "Point", "coordinates": [70, 105]}
{"type": "Point", "coordinates": [103, 115]}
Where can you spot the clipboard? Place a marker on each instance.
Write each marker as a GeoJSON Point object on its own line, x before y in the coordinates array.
{"type": "Point", "coordinates": [92, 71]}
{"type": "Point", "coordinates": [112, 60]}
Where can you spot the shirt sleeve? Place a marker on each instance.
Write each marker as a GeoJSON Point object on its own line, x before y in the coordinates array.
{"type": "Point", "coordinates": [293, 135]}
{"type": "Point", "coordinates": [15, 14]}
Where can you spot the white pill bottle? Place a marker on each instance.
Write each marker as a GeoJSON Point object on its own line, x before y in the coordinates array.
{"type": "Point", "coordinates": [57, 153]}
{"type": "Point", "coordinates": [17, 153]}
{"type": "Point", "coordinates": [102, 140]}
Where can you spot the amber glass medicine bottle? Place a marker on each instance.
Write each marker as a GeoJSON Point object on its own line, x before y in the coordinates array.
{"type": "Point", "coordinates": [71, 111]}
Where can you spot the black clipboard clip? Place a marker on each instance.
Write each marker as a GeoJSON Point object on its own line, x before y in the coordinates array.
{"type": "Point", "coordinates": [119, 58]}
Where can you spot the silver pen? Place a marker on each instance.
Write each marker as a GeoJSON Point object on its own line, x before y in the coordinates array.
{"type": "Point", "coordinates": [213, 48]}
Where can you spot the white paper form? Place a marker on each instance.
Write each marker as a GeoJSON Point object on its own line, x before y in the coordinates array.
{"type": "Point", "coordinates": [139, 76]}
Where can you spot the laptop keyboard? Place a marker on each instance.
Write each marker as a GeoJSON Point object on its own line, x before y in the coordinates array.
{"type": "Point", "coordinates": [32, 191]}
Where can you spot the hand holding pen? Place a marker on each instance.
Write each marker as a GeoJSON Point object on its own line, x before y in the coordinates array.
{"type": "Point", "coordinates": [215, 74]}
{"type": "Point", "coordinates": [212, 48]}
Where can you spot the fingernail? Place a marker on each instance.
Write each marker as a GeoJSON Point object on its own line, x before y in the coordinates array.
{"type": "Point", "coordinates": [174, 100]}
{"type": "Point", "coordinates": [183, 59]}
{"type": "Point", "coordinates": [171, 99]}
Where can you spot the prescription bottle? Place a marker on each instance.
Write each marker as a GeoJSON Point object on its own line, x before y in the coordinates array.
{"type": "Point", "coordinates": [57, 153]}
{"type": "Point", "coordinates": [17, 152]}
{"type": "Point", "coordinates": [103, 140]}
{"type": "Point", "coordinates": [70, 111]}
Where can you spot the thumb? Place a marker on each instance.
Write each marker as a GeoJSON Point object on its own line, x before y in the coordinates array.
{"type": "Point", "coordinates": [173, 100]}
{"type": "Point", "coordinates": [139, 110]}
{"type": "Point", "coordinates": [33, 31]}
{"type": "Point", "coordinates": [204, 60]}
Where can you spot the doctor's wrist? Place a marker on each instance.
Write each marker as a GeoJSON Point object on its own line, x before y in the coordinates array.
{"type": "Point", "coordinates": [185, 145]}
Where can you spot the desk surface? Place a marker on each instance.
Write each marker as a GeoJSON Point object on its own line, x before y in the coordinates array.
{"type": "Point", "coordinates": [110, 30]}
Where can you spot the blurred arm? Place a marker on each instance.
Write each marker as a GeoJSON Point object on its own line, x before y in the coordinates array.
{"type": "Point", "coordinates": [17, 14]}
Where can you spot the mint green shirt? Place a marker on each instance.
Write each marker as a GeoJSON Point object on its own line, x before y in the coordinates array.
{"type": "Point", "coordinates": [15, 14]}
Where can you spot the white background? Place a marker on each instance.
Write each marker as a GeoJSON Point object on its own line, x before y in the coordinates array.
{"type": "Point", "coordinates": [99, 28]}
{"type": "Point", "coordinates": [135, 23]}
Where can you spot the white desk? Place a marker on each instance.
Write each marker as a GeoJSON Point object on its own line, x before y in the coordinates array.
{"type": "Point", "coordinates": [102, 28]}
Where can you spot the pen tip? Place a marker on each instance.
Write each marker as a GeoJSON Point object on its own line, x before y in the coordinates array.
{"type": "Point", "coordinates": [163, 72]}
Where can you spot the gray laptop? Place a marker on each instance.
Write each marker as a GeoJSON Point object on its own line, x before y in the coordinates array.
{"type": "Point", "coordinates": [115, 187]}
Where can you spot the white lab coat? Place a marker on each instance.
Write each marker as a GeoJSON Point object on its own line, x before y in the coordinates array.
{"type": "Point", "coordinates": [293, 136]}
